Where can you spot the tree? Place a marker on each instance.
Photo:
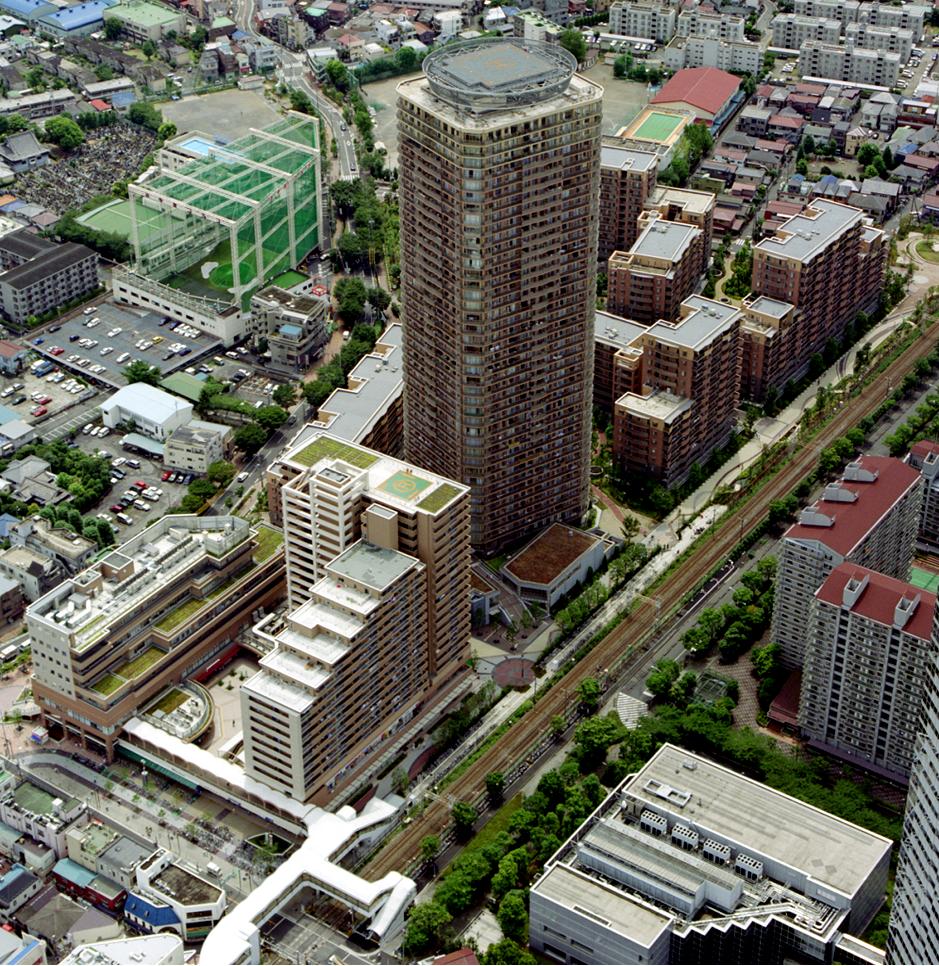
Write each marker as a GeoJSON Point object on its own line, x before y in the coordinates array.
{"type": "Point", "coordinates": [663, 675]}
{"type": "Point", "coordinates": [249, 439]}
{"type": "Point", "coordinates": [140, 371]}
{"type": "Point", "coordinates": [145, 114]}
{"type": "Point", "coordinates": [430, 846]}
{"type": "Point", "coordinates": [464, 818]}
{"type": "Point", "coordinates": [862, 357]}
{"type": "Point", "coordinates": [166, 131]}
{"type": "Point", "coordinates": [589, 693]}
{"type": "Point", "coordinates": [379, 300]}
{"type": "Point", "coordinates": [867, 153]}
{"type": "Point", "coordinates": [64, 132]}
{"type": "Point", "coordinates": [558, 726]}
{"type": "Point", "coordinates": [507, 952]}
{"type": "Point", "coordinates": [350, 295]}
{"type": "Point", "coordinates": [630, 528]}
{"type": "Point", "coordinates": [425, 928]}
{"type": "Point", "coordinates": [513, 917]}
{"type": "Point", "coordinates": [112, 28]}
{"type": "Point", "coordinates": [149, 49]}
{"type": "Point", "coordinates": [808, 145]}
{"type": "Point", "coordinates": [338, 74]}
{"type": "Point", "coordinates": [573, 41]}
{"type": "Point", "coordinates": [593, 737]}
{"type": "Point", "coordinates": [400, 781]}
{"type": "Point", "coordinates": [104, 534]}
{"type": "Point", "coordinates": [285, 395]}
{"type": "Point", "coordinates": [495, 786]}
{"type": "Point", "coordinates": [220, 472]}
{"type": "Point", "coordinates": [270, 418]}
{"type": "Point", "coordinates": [36, 78]}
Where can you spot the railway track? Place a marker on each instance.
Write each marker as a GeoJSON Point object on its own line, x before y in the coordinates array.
{"type": "Point", "coordinates": [626, 647]}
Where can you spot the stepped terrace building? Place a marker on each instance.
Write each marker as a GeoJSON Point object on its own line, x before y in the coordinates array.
{"type": "Point", "coordinates": [148, 614]}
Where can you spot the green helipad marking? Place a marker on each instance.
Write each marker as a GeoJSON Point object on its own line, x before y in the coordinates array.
{"type": "Point", "coordinates": [404, 485]}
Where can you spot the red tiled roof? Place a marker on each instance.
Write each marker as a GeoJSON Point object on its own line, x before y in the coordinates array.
{"type": "Point", "coordinates": [808, 99]}
{"type": "Point", "coordinates": [924, 447]}
{"type": "Point", "coordinates": [808, 88]}
{"type": "Point", "coordinates": [458, 958]}
{"type": "Point", "coordinates": [880, 597]}
{"type": "Point", "coordinates": [783, 120]}
{"type": "Point", "coordinates": [705, 88]}
{"type": "Point", "coordinates": [10, 350]}
{"type": "Point", "coordinates": [853, 521]}
{"type": "Point", "coordinates": [776, 145]}
{"type": "Point", "coordinates": [923, 163]}
{"type": "Point", "coordinates": [765, 90]}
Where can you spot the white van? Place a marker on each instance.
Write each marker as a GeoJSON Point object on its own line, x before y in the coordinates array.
{"type": "Point", "coordinates": [213, 870]}
{"type": "Point", "coordinates": [9, 652]}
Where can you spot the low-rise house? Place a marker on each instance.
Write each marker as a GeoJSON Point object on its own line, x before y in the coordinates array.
{"type": "Point", "coordinates": [23, 152]}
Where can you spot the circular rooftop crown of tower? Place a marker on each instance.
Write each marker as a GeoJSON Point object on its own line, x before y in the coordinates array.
{"type": "Point", "coordinates": [490, 75]}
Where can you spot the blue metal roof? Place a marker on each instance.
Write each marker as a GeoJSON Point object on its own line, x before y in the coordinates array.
{"type": "Point", "coordinates": [27, 8]}
{"type": "Point", "coordinates": [73, 872]}
{"type": "Point", "coordinates": [7, 415]}
{"type": "Point", "coordinates": [123, 99]}
{"type": "Point", "coordinates": [78, 15]}
{"type": "Point", "coordinates": [153, 915]}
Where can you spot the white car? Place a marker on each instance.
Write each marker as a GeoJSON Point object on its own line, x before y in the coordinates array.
{"type": "Point", "coordinates": [75, 390]}
{"type": "Point", "coordinates": [92, 323]}
{"type": "Point", "coordinates": [104, 431]}
{"type": "Point", "coordinates": [122, 358]}
{"type": "Point", "coordinates": [107, 350]}
{"type": "Point", "coordinates": [87, 428]}
{"type": "Point", "coordinates": [115, 331]}
{"type": "Point", "coordinates": [73, 357]}
{"type": "Point", "coordinates": [120, 461]}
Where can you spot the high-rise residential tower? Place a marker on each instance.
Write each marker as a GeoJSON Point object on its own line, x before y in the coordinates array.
{"type": "Point", "coordinates": [913, 936]}
{"type": "Point", "coordinates": [500, 177]}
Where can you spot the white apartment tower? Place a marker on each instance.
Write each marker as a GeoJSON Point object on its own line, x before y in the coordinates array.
{"type": "Point", "coordinates": [869, 517]}
{"type": "Point", "coordinates": [866, 668]}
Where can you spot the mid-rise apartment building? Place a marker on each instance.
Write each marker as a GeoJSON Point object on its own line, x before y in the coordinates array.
{"type": "Point", "coordinates": [716, 26]}
{"type": "Point", "coordinates": [847, 62]}
{"type": "Point", "coordinates": [196, 445]}
{"type": "Point", "coordinates": [924, 456]}
{"type": "Point", "coordinates": [378, 563]}
{"type": "Point", "coordinates": [791, 31]}
{"type": "Point", "coordinates": [687, 861]}
{"type": "Point", "coordinates": [627, 178]}
{"type": "Point", "coordinates": [904, 16]}
{"type": "Point", "coordinates": [319, 491]}
{"type": "Point", "coordinates": [913, 934]}
{"type": "Point", "coordinates": [868, 517]}
{"type": "Point", "coordinates": [146, 615]}
{"type": "Point", "coordinates": [867, 662]}
{"type": "Point", "coordinates": [498, 355]}
{"type": "Point", "coordinates": [617, 366]}
{"type": "Point", "coordinates": [292, 324]}
{"type": "Point", "coordinates": [895, 39]}
{"type": "Point", "coordinates": [827, 264]}
{"type": "Point", "coordinates": [683, 404]}
{"type": "Point", "coordinates": [689, 208]}
{"type": "Point", "coordinates": [644, 19]}
{"type": "Point", "coordinates": [739, 56]}
{"type": "Point", "coordinates": [662, 268]}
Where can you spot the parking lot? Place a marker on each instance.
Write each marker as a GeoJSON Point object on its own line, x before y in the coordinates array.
{"type": "Point", "coordinates": [120, 336]}
{"type": "Point", "coordinates": [149, 471]}
{"type": "Point", "coordinates": [55, 393]}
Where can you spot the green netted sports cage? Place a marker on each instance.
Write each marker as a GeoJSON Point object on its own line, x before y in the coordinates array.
{"type": "Point", "coordinates": [224, 225]}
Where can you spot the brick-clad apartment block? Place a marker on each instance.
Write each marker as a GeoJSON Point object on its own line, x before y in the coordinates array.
{"type": "Point", "coordinates": [826, 264]}
{"type": "Point", "coordinates": [869, 517]}
{"type": "Point", "coordinates": [627, 178]}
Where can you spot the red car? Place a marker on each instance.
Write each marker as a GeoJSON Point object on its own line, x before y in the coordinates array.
{"type": "Point", "coordinates": [117, 508]}
{"type": "Point", "coordinates": [166, 475]}
{"type": "Point", "coordinates": [44, 400]}
{"type": "Point", "coordinates": [141, 485]}
{"type": "Point", "coordinates": [40, 411]}
{"type": "Point", "coordinates": [56, 350]}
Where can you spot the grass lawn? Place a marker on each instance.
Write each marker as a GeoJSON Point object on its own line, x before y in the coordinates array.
{"type": "Point", "coordinates": [269, 540]}
{"type": "Point", "coordinates": [289, 279]}
{"type": "Point", "coordinates": [332, 447]}
{"type": "Point", "coordinates": [925, 250]}
{"type": "Point", "coordinates": [174, 618]}
{"type": "Point", "coordinates": [108, 684]}
{"type": "Point", "coordinates": [169, 702]}
{"type": "Point", "coordinates": [141, 663]}
{"type": "Point", "coordinates": [497, 824]}
{"type": "Point", "coordinates": [439, 498]}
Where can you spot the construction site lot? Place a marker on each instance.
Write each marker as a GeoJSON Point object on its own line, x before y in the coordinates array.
{"type": "Point", "coordinates": [225, 115]}
{"type": "Point", "coordinates": [137, 334]}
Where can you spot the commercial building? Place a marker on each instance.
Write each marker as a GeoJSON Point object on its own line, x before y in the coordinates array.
{"type": "Point", "coordinates": [869, 517]}
{"type": "Point", "coordinates": [681, 404]}
{"type": "Point", "coordinates": [858, 65]}
{"type": "Point", "coordinates": [370, 409]}
{"type": "Point", "coordinates": [689, 862]}
{"type": "Point", "coordinates": [152, 411]}
{"type": "Point", "coordinates": [82, 883]}
{"type": "Point", "coordinates": [867, 662]}
{"type": "Point", "coordinates": [160, 949]}
{"type": "Point", "coordinates": [77, 20]}
{"type": "Point", "coordinates": [142, 20]}
{"type": "Point", "coordinates": [169, 898]}
{"type": "Point", "coordinates": [913, 934]}
{"type": "Point", "coordinates": [197, 445]}
{"type": "Point", "coordinates": [626, 179]}
{"type": "Point", "coordinates": [208, 234]}
{"type": "Point", "coordinates": [106, 852]}
{"type": "Point", "coordinates": [146, 615]}
{"type": "Point", "coordinates": [40, 275]}
{"type": "Point", "coordinates": [292, 324]}
{"type": "Point", "coordinates": [644, 18]}
{"type": "Point", "coordinates": [824, 262]}
{"type": "Point", "coordinates": [711, 95]}
{"type": "Point", "coordinates": [378, 577]}
{"type": "Point", "coordinates": [741, 56]}
{"type": "Point", "coordinates": [662, 268]}
{"type": "Point", "coordinates": [791, 31]}
{"type": "Point", "coordinates": [499, 366]}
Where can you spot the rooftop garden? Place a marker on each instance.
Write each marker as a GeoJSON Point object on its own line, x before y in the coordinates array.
{"type": "Point", "coordinates": [324, 447]}
{"type": "Point", "coordinates": [169, 702]}
{"type": "Point", "coordinates": [108, 684]}
{"type": "Point", "coordinates": [140, 664]}
{"type": "Point", "coordinates": [439, 498]}
{"type": "Point", "coordinates": [269, 540]}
